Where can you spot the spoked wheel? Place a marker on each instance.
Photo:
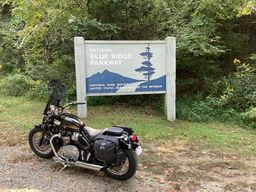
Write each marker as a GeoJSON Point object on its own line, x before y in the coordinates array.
{"type": "Point", "coordinates": [127, 169]}
{"type": "Point", "coordinates": [39, 144]}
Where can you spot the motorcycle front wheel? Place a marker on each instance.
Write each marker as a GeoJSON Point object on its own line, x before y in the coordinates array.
{"type": "Point", "coordinates": [126, 170]}
{"type": "Point", "coordinates": [39, 144]}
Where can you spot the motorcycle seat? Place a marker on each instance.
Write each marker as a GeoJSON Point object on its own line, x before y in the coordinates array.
{"type": "Point", "coordinates": [115, 131]}
{"type": "Point", "coordinates": [93, 133]}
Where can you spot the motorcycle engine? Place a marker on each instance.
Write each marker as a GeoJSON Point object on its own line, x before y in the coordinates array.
{"type": "Point", "coordinates": [70, 152]}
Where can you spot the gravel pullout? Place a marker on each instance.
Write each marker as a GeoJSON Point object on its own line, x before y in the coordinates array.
{"type": "Point", "coordinates": [171, 167]}
{"type": "Point", "coordinates": [21, 170]}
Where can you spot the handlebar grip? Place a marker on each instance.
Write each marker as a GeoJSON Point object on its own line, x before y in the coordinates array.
{"type": "Point", "coordinates": [74, 103]}
{"type": "Point", "coordinates": [80, 103]}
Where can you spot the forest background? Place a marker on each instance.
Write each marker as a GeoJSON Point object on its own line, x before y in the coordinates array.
{"type": "Point", "coordinates": [216, 50]}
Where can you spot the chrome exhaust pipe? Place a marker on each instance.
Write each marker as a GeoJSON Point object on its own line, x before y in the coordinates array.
{"type": "Point", "coordinates": [88, 166]}
{"type": "Point", "coordinates": [66, 162]}
{"type": "Point", "coordinates": [61, 159]}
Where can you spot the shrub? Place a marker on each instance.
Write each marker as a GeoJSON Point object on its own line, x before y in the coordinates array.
{"type": "Point", "coordinates": [231, 98]}
{"type": "Point", "coordinates": [15, 85]}
{"type": "Point", "coordinates": [238, 89]}
{"type": "Point", "coordinates": [197, 109]}
{"type": "Point", "coordinates": [250, 117]}
{"type": "Point", "coordinates": [208, 109]}
{"type": "Point", "coordinates": [22, 85]}
{"type": "Point", "coordinates": [38, 90]}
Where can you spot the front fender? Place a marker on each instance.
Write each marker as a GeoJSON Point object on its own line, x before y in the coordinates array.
{"type": "Point", "coordinates": [40, 126]}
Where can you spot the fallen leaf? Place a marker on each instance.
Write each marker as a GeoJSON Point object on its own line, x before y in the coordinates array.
{"type": "Point", "coordinates": [156, 177]}
{"type": "Point", "coordinates": [162, 180]}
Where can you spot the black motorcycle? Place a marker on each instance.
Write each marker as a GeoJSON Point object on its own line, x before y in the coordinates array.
{"type": "Point", "coordinates": [113, 150]}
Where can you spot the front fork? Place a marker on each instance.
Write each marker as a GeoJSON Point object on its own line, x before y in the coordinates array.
{"type": "Point", "coordinates": [46, 135]}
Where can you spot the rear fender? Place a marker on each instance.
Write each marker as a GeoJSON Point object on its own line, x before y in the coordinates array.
{"type": "Point", "coordinates": [124, 145]}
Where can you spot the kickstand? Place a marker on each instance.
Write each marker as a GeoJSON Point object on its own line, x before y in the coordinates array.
{"type": "Point", "coordinates": [64, 166]}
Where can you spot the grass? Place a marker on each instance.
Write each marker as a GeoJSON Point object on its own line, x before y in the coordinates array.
{"type": "Point", "coordinates": [19, 112]}
{"type": "Point", "coordinates": [22, 113]}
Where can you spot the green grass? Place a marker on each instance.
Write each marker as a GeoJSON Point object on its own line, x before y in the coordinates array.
{"type": "Point", "coordinates": [19, 112]}
{"type": "Point", "coordinates": [23, 114]}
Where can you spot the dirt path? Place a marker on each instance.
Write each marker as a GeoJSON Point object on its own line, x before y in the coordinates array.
{"type": "Point", "coordinates": [170, 167]}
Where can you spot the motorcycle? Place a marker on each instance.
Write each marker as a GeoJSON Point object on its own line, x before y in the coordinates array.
{"type": "Point", "coordinates": [64, 135]}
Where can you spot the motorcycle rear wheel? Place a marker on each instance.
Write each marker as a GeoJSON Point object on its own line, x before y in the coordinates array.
{"type": "Point", "coordinates": [44, 150]}
{"type": "Point", "coordinates": [118, 173]}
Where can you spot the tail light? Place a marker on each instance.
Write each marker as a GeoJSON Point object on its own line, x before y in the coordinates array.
{"type": "Point", "coordinates": [133, 138]}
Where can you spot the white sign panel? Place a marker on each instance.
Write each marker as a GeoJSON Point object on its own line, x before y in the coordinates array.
{"type": "Point", "coordinates": [125, 68]}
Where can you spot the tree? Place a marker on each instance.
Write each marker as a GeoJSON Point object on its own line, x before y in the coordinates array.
{"type": "Point", "coordinates": [147, 68]}
{"type": "Point", "coordinates": [36, 37]}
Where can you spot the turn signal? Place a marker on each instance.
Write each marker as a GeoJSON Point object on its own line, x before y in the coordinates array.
{"type": "Point", "coordinates": [133, 138]}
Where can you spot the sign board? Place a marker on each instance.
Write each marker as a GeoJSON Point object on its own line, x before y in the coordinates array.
{"type": "Point", "coordinates": [125, 68]}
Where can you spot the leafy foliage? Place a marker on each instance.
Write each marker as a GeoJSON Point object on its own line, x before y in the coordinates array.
{"type": "Point", "coordinates": [37, 33]}
{"type": "Point", "coordinates": [15, 85]}
{"type": "Point", "coordinates": [36, 44]}
{"type": "Point", "coordinates": [231, 99]}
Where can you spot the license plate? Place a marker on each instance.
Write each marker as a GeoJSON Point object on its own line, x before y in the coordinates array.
{"type": "Point", "coordinates": [138, 150]}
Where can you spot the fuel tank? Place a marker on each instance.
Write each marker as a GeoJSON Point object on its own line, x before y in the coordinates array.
{"type": "Point", "coordinates": [71, 122]}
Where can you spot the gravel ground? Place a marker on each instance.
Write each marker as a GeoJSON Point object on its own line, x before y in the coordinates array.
{"type": "Point", "coordinates": [171, 167]}
{"type": "Point", "coordinates": [21, 170]}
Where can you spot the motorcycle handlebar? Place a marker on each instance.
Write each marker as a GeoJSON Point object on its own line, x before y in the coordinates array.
{"type": "Point", "coordinates": [72, 103]}
{"type": "Point", "coordinates": [80, 103]}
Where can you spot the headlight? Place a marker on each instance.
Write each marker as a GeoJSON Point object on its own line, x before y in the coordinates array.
{"type": "Point", "coordinates": [54, 110]}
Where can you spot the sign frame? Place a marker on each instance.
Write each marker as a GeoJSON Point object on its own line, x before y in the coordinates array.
{"type": "Point", "coordinates": [170, 68]}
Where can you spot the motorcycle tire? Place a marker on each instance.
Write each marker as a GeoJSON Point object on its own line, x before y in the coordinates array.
{"type": "Point", "coordinates": [43, 154]}
{"type": "Point", "coordinates": [132, 158]}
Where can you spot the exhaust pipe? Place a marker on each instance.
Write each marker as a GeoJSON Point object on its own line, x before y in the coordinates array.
{"type": "Point", "coordinates": [80, 164]}
{"type": "Point", "coordinates": [88, 166]}
{"type": "Point", "coordinates": [66, 162]}
{"type": "Point", "coordinates": [61, 159]}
